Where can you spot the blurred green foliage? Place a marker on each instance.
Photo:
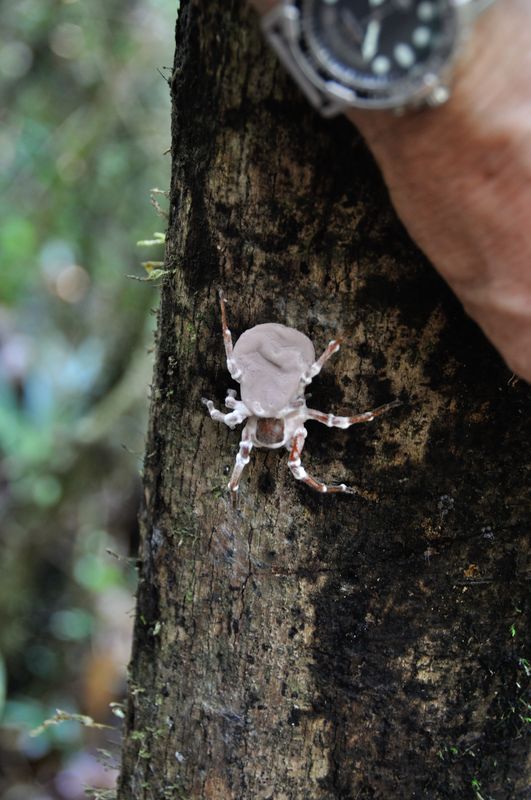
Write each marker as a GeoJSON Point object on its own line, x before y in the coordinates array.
{"type": "Point", "coordinates": [84, 125]}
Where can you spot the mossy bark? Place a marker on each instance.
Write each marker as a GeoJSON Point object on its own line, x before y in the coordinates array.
{"type": "Point", "coordinates": [309, 646]}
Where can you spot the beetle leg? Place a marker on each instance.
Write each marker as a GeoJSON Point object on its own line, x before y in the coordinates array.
{"type": "Point", "coordinates": [317, 366]}
{"type": "Point", "coordinates": [241, 460]}
{"type": "Point", "coordinates": [235, 372]}
{"type": "Point", "coordinates": [230, 400]}
{"type": "Point", "coordinates": [233, 418]}
{"type": "Point", "coordinates": [345, 422]}
{"type": "Point", "coordinates": [300, 474]}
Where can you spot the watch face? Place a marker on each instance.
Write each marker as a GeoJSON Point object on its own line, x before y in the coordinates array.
{"type": "Point", "coordinates": [378, 45]}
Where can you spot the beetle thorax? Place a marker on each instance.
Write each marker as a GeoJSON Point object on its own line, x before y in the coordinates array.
{"type": "Point", "coordinates": [269, 430]}
{"type": "Point", "coordinates": [272, 359]}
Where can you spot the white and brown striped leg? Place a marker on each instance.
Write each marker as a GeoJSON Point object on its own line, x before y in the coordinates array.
{"type": "Point", "coordinates": [317, 366]}
{"type": "Point", "coordinates": [345, 422]}
{"type": "Point", "coordinates": [300, 474]}
{"type": "Point", "coordinates": [242, 459]}
{"type": "Point", "coordinates": [227, 339]}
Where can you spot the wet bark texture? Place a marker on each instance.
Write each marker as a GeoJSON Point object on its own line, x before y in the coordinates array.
{"type": "Point", "coordinates": [306, 646]}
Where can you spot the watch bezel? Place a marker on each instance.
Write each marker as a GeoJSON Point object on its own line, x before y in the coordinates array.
{"type": "Point", "coordinates": [326, 62]}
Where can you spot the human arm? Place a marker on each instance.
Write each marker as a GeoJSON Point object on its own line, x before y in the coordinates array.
{"type": "Point", "coordinates": [459, 176]}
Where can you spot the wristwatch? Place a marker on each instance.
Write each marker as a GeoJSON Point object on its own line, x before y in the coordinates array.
{"type": "Point", "coordinates": [379, 54]}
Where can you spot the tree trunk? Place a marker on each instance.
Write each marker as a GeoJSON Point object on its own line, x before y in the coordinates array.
{"type": "Point", "coordinates": [307, 645]}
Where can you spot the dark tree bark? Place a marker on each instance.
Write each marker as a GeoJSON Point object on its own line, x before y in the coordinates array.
{"type": "Point", "coordinates": [310, 646]}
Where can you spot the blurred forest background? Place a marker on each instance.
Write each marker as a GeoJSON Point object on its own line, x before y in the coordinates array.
{"type": "Point", "coordinates": [84, 124]}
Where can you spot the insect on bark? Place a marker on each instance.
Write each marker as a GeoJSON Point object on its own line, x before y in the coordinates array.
{"type": "Point", "coordinates": [273, 365]}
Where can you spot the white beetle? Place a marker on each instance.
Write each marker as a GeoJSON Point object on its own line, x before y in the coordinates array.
{"type": "Point", "coordinates": [273, 365]}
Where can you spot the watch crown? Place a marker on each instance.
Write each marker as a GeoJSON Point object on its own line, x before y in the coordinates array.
{"type": "Point", "coordinates": [439, 95]}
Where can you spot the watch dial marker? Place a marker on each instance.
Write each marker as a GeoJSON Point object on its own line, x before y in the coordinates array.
{"type": "Point", "coordinates": [381, 65]}
{"type": "Point", "coordinates": [421, 36]}
{"type": "Point", "coordinates": [404, 55]}
{"type": "Point", "coordinates": [426, 11]}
